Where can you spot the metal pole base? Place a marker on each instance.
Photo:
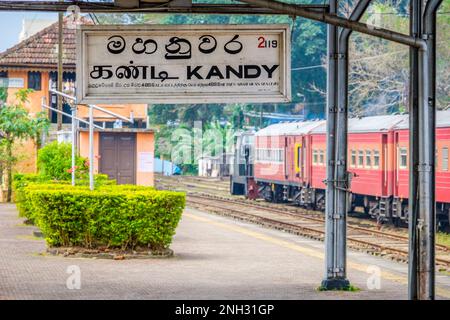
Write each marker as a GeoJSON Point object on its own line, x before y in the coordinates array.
{"type": "Point", "coordinates": [335, 284]}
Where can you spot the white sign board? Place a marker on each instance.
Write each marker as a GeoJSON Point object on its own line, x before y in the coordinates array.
{"type": "Point", "coordinates": [145, 161]}
{"type": "Point", "coordinates": [183, 64]}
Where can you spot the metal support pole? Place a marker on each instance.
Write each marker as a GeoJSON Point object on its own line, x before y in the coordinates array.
{"type": "Point", "coordinates": [336, 217]}
{"type": "Point", "coordinates": [425, 225]}
{"type": "Point", "coordinates": [330, 275]}
{"type": "Point", "coordinates": [333, 19]}
{"type": "Point", "coordinates": [429, 35]}
{"type": "Point", "coordinates": [60, 69]}
{"type": "Point", "coordinates": [91, 148]}
{"type": "Point", "coordinates": [131, 120]}
{"type": "Point", "coordinates": [44, 135]}
{"type": "Point", "coordinates": [70, 116]}
{"type": "Point", "coordinates": [74, 140]}
{"type": "Point", "coordinates": [144, 7]}
{"type": "Point", "coordinates": [413, 205]}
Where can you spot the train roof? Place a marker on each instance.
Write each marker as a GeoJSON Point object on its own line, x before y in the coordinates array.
{"type": "Point", "coordinates": [375, 123]}
{"type": "Point", "coordinates": [355, 125]}
{"type": "Point", "coordinates": [442, 120]}
{"type": "Point", "coordinates": [288, 128]}
{"type": "Point", "coordinates": [369, 124]}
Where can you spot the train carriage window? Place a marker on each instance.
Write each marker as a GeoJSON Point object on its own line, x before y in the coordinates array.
{"type": "Point", "coordinates": [353, 162]}
{"type": "Point", "coordinates": [321, 157]}
{"type": "Point", "coordinates": [315, 157]}
{"type": "Point", "coordinates": [368, 158]}
{"type": "Point", "coordinates": [445, 159]}
{"type": "Point", "coordinates": [403, 158]}
{"type": "Point", "coordinates": [360, 159]}
{"type": "Point", "coordinates": [376, 159]}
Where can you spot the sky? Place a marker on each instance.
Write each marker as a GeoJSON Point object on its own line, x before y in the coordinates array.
{"type": "Point", "coordinates": [11, 25]}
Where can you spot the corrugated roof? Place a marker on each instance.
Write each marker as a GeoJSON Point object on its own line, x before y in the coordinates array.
{"type": "Point", "coordinates": [278, 129]}
{"type": "Point", "coordinates": [369, 124]}
{"type": "Point", "coordinates": [41, 49]}
{"type": "Point", "coordinates": [442, 120]}
{"type": "Point", "coordinates": [307, 127]}
{"type": "Point", "coordinates": [355, 125]}
{"type": "Point", "coordinates": [375, 123]}
{"type": "Point", "coordinates": [289, 128]}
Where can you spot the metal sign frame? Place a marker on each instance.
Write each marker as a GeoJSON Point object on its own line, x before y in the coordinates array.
{"type": "Point", "coordinates": [204, 96]}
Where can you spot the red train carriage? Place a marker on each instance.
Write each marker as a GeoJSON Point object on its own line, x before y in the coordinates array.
{"type": "Point", "coordinates": [369, 161]}
{"type": "Point", "coordinates": [401, 169]}
{"type": "Point", "coordinates": [290, 164]}
{"type": "Point", "coordinates": [282, 162]}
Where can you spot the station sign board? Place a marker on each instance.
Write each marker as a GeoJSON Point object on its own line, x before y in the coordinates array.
{"type": "Point", "coordinates": [183, 64]}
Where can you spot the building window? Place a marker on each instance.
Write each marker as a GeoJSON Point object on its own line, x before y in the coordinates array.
{"type": "Point", "coordinates": [360, 159]}
{"type": "Point", "coordinates": [403, 158]}
{"type": "Point", "coordinates": [34, 80]}
{"type": "Point", "coordinates": [321, 157]}
{"type": "Point", "coordinates": [445, 159]}
{"type": "Point", "coordinates": [353, 162]}
{"type": "Point", "coordinates": [376, 159]}
{"type": "Point", "coordinates": [315, 157]}
{"type": "Point", "coordinates": [368, 158]}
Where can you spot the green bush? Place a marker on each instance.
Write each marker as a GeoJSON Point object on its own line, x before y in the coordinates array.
{"type": "Point", "coordinates": [23, 183]}
{"type": "Point", "coordinates": [20, 182]}
{"type": "Point", "coordinates": [55, 162]}
{"type": "Point", "coordinates": [110, 216]}
{"type": "Point", "coordinates": [117, 216]}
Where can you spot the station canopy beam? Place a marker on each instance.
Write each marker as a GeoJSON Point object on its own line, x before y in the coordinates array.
{"type": "Point", "coordinates": [314, 12]}
{"type": "Point", "coordinates": [154, 6]}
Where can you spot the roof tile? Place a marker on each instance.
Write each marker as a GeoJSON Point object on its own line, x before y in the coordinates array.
{"type": "Point", "coordinates": [41, 49]}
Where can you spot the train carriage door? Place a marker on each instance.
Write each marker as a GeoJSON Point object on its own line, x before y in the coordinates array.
{"type": "Point", "coordinates": [303, 159]}
{"type": "Point", "coordinates": [286, 157]}
{"type": "Point", "coordinates": [396, 164]}
{"type": "Point", "coordinates": [298, 151]}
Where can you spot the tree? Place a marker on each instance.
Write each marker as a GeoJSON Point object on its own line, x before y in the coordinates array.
{"type": "Point", "coordinates": [16, 124]}
{"type": "Point", "coordinates": [379, 69]}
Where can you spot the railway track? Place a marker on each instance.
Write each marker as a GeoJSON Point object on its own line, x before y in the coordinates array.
{"type": "Point", "coordinates": [302, 222]}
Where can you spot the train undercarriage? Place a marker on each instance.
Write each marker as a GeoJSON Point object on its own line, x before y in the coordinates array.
{"type": "Point", "coordinates": [384, 209]}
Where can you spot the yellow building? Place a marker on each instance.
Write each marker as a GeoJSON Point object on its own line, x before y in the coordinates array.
{"type": "Point", "coordinates": [123, 150]}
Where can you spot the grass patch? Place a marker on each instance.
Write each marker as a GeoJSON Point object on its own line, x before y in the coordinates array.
{"type": "Point", "coordinates": [444, 272]}
{"type": "Point", "coordinates": [29, 237]}
{"type": "Point", "coordinates": [443, 238]}
{"type": "Point", "coordinates": [349, 288]}
{"type": "Point", "coordinates": [23, 225]}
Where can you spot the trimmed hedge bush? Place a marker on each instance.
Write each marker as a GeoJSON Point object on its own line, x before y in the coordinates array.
{"type": "Point", "coordinates": [116, 216]}
{"type": "Point", "coordinates": [23, 183]}
{"type": "Point", "coordinates": [107, 217]}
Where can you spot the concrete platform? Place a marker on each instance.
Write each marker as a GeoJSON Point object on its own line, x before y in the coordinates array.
{"type": "Point", "coordinates": [215, 258]}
